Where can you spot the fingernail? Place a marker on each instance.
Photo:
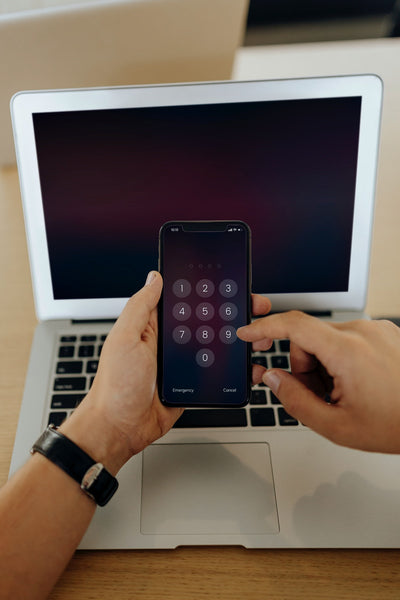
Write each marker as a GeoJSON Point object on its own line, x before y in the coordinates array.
{"type": "Point", "coordinates": [272, 379]}
{"type": "Point", "coordinates": [150, 278]}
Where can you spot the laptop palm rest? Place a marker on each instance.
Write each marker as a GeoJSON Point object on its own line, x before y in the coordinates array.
{"type": "Point", "coordinates": [208, 488]}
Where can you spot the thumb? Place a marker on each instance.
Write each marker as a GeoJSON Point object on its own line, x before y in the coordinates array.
{"type": "Point", "coordinates": [300, 402]}
{"type": "Point", "coordinates": [139, 307]}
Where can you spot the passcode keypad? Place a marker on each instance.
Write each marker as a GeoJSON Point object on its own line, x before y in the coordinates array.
{"type": "Point", "coordinates": [212, 300]}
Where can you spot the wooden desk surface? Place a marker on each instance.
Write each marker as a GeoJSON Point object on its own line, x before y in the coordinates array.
{"type": "Point", "coordinates": [221, 572]}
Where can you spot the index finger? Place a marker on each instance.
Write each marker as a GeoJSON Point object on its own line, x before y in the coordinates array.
{"type": "Point", "coordinates": [309, 333]}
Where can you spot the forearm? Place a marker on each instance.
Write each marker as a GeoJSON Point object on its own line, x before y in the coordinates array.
{"type": "Point", "coordinates": [43, 511]}
{"type": "Point", "coordinates": [44, 514]}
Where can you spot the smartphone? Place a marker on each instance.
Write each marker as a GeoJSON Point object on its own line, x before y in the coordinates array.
{"type": "Point", "coordinates": [206, 297]}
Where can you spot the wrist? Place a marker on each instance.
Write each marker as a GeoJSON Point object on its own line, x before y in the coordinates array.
{"type": "Point", "coordinates": [93, 478]}
{"type": "Point", "coordinates": [89, 429]}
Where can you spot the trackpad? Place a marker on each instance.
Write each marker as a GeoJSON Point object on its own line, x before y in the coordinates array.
{"type": "Point", "coordinates": [208, 488]}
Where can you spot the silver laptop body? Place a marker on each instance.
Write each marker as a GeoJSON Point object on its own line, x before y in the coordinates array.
{"type": "Point", "coordinates": [100, 171]}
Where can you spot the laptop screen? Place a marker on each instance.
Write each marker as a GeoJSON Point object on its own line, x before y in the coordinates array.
{"type": "Point", "coordinates": [110, 179]}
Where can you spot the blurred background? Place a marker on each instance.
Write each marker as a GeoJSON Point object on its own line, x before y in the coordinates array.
{"type": "Point", "coordinates": [87, 43]}
{"type": "Point", "coordinates": [291, 21]}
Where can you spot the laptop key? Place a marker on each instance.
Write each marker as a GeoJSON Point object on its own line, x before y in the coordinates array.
{"type": "Point", "coordinates": [274, 399]}
{"type": "Point", "coordinates": [70, 366]}
{"type": "Point", "coordinates": [285, 419]}
{"type": "Point", "coordinates": [69, 384]}
{"type": "Point", "coordinates": [215, 417]}
{"type": "Point", "coordinates": [66, 400]}
{"type": "Point", "coordinates": [91, 366]}
{"type": "Point", "coordinates": [56, 418]}
{"type": "Point", "coordinates": [259, 360]}
{"type": "Point", "coordinates": [262, 417]}
{"type": "Point", "coordinates": [284, 345]}
{"type": "Point", "coordinates": [68, 338]}
{"type": "Point", "coordinates": [258, 397]}
{"type": "Point", "coordinates": [280, 362]}
{"type": "Point", "coordinates": [86, 351]}
{"type": "Point", "coordinates": [66, 351]}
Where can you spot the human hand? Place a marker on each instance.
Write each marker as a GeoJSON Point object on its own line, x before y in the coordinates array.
{"type": "Point", "coordinates": [354, 364]}
{"type": "Point", "coordinates": [122, 412]}
{"type": "Point", "coordinates": [260, 306]}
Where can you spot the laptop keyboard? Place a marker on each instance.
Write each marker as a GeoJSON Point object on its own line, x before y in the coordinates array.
{"type": "Point", "coordinates": [76, 363]}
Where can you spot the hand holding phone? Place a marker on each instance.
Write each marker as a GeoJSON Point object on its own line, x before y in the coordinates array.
{"type": "Point", "coordinates": [206, 297]}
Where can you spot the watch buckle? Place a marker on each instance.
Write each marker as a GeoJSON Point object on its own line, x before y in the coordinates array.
{"type": "Point", "coordinates": [90, 477]}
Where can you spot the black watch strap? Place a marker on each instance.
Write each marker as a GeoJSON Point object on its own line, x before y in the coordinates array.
{"type": "Point", "coordinates": [93, 477]}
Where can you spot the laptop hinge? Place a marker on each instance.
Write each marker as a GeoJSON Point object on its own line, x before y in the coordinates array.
{"type": "Point", "coordinates": [93, 321]}
{"type": "Point", "coordinates": [321, 314]}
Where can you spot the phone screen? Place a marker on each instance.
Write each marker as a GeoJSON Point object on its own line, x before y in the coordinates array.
{"type": "Point", "coordinates": [206, 297]}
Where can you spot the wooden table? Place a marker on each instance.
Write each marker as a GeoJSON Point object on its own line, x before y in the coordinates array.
{"type": "Point", "coordinates": [222, 572]}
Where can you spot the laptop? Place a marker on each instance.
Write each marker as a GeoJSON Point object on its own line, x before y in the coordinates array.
{"type": "Point", "coordinates": [65, 43]}
{"type": "Point", "coordinates": [100, 171]}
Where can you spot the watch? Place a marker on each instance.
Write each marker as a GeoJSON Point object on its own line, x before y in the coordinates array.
{"type": "Point", "coordinates": [92, 476]}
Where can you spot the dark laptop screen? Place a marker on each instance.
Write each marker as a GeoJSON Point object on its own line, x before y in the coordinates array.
{"type": "Point", "coordinates": [111, 178]}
